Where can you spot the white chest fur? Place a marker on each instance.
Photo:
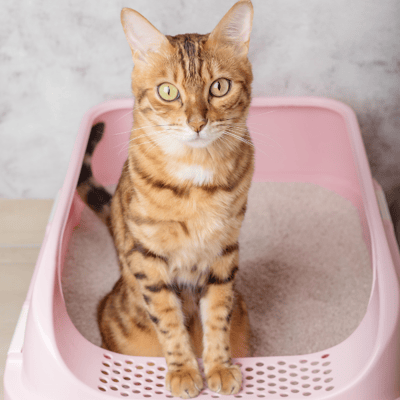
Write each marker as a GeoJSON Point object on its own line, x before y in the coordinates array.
{"type": "Point", "coordinates": [195, 173]}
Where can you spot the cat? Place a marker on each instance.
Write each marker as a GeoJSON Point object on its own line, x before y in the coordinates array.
{"type": "Point", "coordinates": [176, 214]}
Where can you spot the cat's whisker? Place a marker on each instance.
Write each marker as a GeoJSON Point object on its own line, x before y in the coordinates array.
{"type": "Point", "coordinates": [130, 111]}
{"type": "Point", "coordinates": [142, 127]}
{"type": "Point", "coordinates": [245, 141]}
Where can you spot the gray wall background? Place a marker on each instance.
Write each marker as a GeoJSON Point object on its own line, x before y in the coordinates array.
{"type": "Point", "coordinates": [58, 59]}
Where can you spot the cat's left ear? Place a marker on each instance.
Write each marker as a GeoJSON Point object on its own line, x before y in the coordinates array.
{"type": "Point", "coordinates": [142, 36]}
{"type": "Point", "coordinates": [235, 27]}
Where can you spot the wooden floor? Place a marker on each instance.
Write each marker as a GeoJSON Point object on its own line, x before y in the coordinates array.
{"type": "Point", "coordinates": [22, 227]}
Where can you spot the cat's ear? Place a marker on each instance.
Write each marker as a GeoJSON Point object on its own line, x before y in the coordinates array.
{"type": "Point", "coordinates": [142, 36]}
{"type": "Point", "coordinates": [235, 27]}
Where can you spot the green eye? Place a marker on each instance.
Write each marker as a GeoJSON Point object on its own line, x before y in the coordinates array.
{"type": "Point", "coordinates": [220, 87]}
{"type": "Point", "coordinates": [168, 92]}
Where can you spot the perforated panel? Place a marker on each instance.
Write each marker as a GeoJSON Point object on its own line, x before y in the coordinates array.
{"type": "Point", "coordinates": [125, 377]}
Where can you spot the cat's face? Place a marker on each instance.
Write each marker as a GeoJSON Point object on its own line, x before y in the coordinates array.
{"type": "Point", "coordinates": [197, 87]}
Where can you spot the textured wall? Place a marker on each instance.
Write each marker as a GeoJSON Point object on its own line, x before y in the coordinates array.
{"type": "Point", "coordinates": [60, 58]}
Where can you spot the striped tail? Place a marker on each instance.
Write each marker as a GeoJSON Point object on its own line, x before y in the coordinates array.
{"type": "Point", "coordinates": [89, 190]}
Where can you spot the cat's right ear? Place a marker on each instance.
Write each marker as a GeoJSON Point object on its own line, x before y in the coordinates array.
{"type": "Point", "coordinates": [142, 36]}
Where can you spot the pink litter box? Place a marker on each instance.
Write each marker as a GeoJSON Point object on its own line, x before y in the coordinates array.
{"type": "Point", "coordinates": [321, 144]}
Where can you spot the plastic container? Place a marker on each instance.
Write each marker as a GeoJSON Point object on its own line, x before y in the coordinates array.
{"type": "Point", "coordinates": [318, 141]}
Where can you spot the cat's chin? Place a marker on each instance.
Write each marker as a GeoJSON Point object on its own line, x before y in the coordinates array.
{"type": "Point", "coordinates": [198, 143]}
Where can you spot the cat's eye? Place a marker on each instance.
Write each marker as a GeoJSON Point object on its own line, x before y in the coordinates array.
{"type": "Point", "coordinates": [168, 92]}
{"type": "Point", "coordinates": [220, 87]}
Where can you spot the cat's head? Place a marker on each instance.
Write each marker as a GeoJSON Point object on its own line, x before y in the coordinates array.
{"type": "Point", "coordinates": [196, 87]}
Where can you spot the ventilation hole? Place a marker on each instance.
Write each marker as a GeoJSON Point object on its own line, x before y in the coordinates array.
{"type": "Point", "coordinates": [305, 377]}
{"type": "Point", "coordinates": [325, 355]}
{"type": "Point", "coordinates": [303, 369]}
{"type": "Point", "coordinates": [329, 388]}
{"type": "Point", "coordinates": [261, 389]}
{"type": "Point", "coordinates": [125, 386]}
{"type": "Point", "coordinates": [116, 372]}
{"type": "Point", "coordinates": [328, 380]}
{"type": "Point", "coordinates": [249, 378]}
{"type": "Point", "coordinates": [271, 384]}
{"type": "Point", "coordinates": [303, 361]}
{"type": "Point", "coordinates": [294, 383]}
{"type": "Point", "coordinates": [292, 366]}
{"type": "Point", "coordinates": [151, 364]}
{"type": "Point", "coordinates": [283, 387]}
{"type": "Point", "coordinates": [215, 397]}
{"type": "Point", "coordinates": [260, 381]}
{"type": "Point", "coordinates": [139, 367]}
{"type": "Point", "coordinates": [150, 372]}
{"type": "Point", "coordinates": [325, 364]}
{"type": "Point", "coordinates": [118, 364]}
{"type": "Point", "coordinates": [125, 394]}
{"type": "Point", "coordinates": [307, 394]}
{"type": "Point", "coordinates": [249, 393]}
{"type": "Point", "coordinates": [160, 377]}
{"type": "Point", "coordinates": [107, 356]}
{"type": "Point", "coordinates": [127, 370]}
{"type": "Point", "coordinates": [271, 392]}
{"type": "Point", "coordinates": [293, 374]}
{"type": "Point", "coordinates": [113, 388]}
{"type": "Point", "coordinates": [260, 373]}
{"type": "Point", "coordinates": [260, 395]}
{"type": "Point", "coordinates": [317, 387]}
{"type": "Point", "coordinates": [161, 368]}
{"type": "Point", "coordinates": [316, 379]}
{"type": "Point", "coordinates": [137, 383]}
{"type": "Point", "coordinates": [115, 380]}
{"type": "Point", "coordinates": [282, 379]}
{"type": "Point", "coordinates": [306, 386]}
{"type": "Point", "coordinates": [158, 392]}
{"type": "Point", "coordinates": [314, 363]}
{"type": "Point", "coordinates": [270, 368]}
{"type": "Point", "coordinates": [146, 395]}
{"type": "Point", "coordinates": [294, 391]}
{"type": "Point", "coordinates": [327, 371]}
{"type": "Point", "coordinates": [127, 378]}
{"type": "Point", "coordinates": [260, 364]}
{"type": "Point", "coordinates": [102, 389]}
{"type": "Point", "coordinates": [284, 395]}
{"type": "Point", "coordinates": [282, 371]}
{"type": "Point", "coordinates": [129, 362]}
{"type": "Point", "coordinates": [149, 380]}
{"type": "Point", "coordinates": [249, 369]}
{"type": "Point", "coordinates": [315, 371]}
{"type": "Point", "coordinates": [104, 372]}
{"type": "Point", "coordinates": [147, 388]}
{"type": "Point", "coordinates": [281, 363]}
{"type": "Point", "coordinates": [106, 364]}
{"type": "Point", "coordinates": [136, 391]}
{"type": "Point", "coordinates": [138, 375]}
{"type": "Point", "coordinates": [237, 396]}
{"type": "Point", "coordinates": [250, 386]}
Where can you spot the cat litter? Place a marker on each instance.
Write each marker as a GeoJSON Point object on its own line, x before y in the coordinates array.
{"type": "Point", "coordinates": [319, 270]}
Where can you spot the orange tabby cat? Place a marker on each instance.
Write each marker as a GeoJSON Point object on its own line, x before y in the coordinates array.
{"type": "Point", "coordinates": [180, 202]}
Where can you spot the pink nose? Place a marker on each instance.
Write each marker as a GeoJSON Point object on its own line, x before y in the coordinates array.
{"type": "Point", "coordinates": [197, 124]}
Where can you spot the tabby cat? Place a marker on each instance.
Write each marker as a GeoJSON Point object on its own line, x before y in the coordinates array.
{"type": "Point", "coordinates": [177, 211]}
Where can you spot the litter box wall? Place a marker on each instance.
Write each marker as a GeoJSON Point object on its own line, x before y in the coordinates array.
{"type": "Point", "coordinates": [320, 144]}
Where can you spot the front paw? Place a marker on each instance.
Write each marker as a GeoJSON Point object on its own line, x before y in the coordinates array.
{"type": "Point", "coordinates": [185, 383]}
{"type": "Point", "coordinates": [225, 380]}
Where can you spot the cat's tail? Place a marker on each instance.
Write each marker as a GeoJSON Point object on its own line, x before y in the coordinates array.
{"type": "Point", "coordinates": [89, 190]}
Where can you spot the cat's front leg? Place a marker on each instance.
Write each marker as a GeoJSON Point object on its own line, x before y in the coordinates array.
{"type": "Point", "coordinates": [164, 308]}
{"type": "Point", "coordinates": [216, 307]}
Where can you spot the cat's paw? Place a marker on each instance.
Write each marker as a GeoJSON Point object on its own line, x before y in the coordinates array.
{"type": "Point", "coordinates": [225, 380]}
{"type": "Point", "coordinates": [185, 383]}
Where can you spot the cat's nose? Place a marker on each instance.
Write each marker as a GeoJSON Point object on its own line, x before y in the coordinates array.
{"type": "Point", "coordinates": [197, 123]}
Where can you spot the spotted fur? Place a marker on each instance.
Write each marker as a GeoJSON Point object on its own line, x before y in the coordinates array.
{"type": "Point", "coordinates": [177, 211]}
